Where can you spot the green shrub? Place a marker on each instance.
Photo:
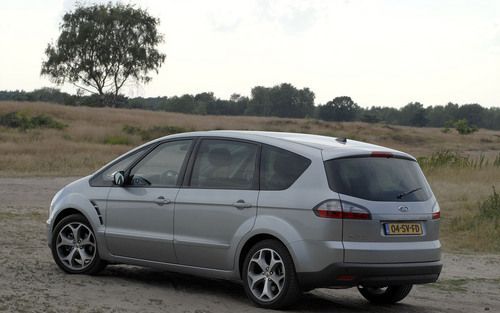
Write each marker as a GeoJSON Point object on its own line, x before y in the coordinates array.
{"type": "Point", "coordinates": [496, 162]}
{"type": "Point", "coordinates": [490, 208]}
{"type": "Point", "coordinates": [463, 127]}
{"type": "Point", "coordinates": [444, 158]}
{"type": "Point", "coordinates": [117, 140]}
{"type": "Point", "coordinates": [448, 158]}
{"type": "Point", "coordinates": [23, 121]}
{"type": "Point", "coordinates": [483, 224]}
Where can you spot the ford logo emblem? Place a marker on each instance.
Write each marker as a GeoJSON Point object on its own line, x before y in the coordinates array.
{"type": "Point", "coordinates": [403, 209]}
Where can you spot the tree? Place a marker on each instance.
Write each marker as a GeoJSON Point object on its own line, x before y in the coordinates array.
{"type": "Point", "coordinates": [473, 113]}
{"type": "Point", "coordinates": [102, 46]}
{"type": "Point", "coordinates": [413, 114]}
{"type": "Point", "coordinates": [260, 103]}
{"type": "Point", "coordinates": [339, 109]}
{"type": "Point", "coordinates": [281, 100]}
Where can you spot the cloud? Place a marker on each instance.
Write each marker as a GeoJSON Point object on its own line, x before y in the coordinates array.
{"type": "Point", "coordinates": [225, 16]}
{"type": "Point", "coordinates": [69, 5]}
{"type": "Point", "coordinates": [291, 16]}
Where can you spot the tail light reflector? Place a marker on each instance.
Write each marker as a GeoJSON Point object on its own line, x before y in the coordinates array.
{"type": "Point", "coordinates": [436, 212]}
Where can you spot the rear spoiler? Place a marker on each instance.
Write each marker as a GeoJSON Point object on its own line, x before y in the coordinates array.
{"type": "Point", "coordinates": [329, 154]}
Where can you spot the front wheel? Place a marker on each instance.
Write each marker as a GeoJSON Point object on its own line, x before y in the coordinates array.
{"type": "Point", "coordinates": [385, 295]}
{"type": "Point", "coordinates": [269, 275]}
{"type": "Point", "coordinates": [74, 246]}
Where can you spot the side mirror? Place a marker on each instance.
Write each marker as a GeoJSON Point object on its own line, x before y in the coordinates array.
{"type": "Point", "coordinates": [119, 178]}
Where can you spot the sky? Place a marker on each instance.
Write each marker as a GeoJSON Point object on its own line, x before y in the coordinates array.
{"type": "Point", "coordinates": [378, 52]}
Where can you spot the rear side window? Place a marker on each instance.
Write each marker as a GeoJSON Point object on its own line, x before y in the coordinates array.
{"type": "Point", "coordinates": [225, 164]}
{"type": "Point", "coordinates": [378, 179]}
{"type": "Point", "coordinates": [279, 168]}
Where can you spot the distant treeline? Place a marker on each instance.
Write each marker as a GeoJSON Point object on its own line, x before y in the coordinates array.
{"type": "Point", "coordinates": [283, 101]}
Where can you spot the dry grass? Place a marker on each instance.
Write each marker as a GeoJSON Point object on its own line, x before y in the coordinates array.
{"type": "Point", "coordinates": [460, 192]}
{"type": "Point", "coordinates": [81, 148]}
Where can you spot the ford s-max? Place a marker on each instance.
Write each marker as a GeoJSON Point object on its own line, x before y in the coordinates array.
{"type": "Point", "coordinates": [281, 212]}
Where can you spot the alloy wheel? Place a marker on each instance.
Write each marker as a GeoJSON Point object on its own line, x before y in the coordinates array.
{"type": "Point", "coordinates": [266, 274]}
{"type": "Point", "coordinates": [76, 246]}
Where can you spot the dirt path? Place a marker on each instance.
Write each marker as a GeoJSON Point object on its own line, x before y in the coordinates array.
{"type": "Point", "coordinates": [31, 282]}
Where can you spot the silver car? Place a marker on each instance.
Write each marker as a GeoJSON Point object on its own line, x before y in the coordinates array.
{"type": "Point", "coordinates": [282, 212]}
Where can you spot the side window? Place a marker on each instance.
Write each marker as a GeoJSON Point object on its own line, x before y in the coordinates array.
{"type": "Point", "coordinates": [225, 164]}
{"type": "Point", "coordinates": [105, 178]}
{"type": "Point", "coordinates": [279, 168]}
{"type": "Point", "coordinates": [161, 167]}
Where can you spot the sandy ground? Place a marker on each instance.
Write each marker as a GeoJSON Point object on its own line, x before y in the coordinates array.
{"type": "Point", "coordinates": [31, 282]}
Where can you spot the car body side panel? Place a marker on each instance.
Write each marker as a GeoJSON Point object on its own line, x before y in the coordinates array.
{"type": "Point", "coordinates": [208, 227]}
{"type": "Point", "coordinates": [139, 227]}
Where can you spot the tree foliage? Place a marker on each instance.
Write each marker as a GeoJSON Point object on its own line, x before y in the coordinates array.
{"type": "Point", "coordinates": [273, 101]}
{"type": "Point", "coordinates": [100, 47]}
{"type": "Point", "coordinates": [281, 100]}
{"type": "Point", "coordinates": [339, 109]}
{"type": "Point", "coordinates": [413, 114]}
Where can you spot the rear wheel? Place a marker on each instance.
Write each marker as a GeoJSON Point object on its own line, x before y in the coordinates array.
{"type": "Point", "coordinates": [385, 295]}
{"type": "Point", "coordinates": [74, 246]}
{"type": "Point", "coordinates": [269, 275]}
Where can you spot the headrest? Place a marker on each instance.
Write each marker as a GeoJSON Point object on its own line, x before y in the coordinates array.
{"type": "Point", "coordinates": [219, 157]}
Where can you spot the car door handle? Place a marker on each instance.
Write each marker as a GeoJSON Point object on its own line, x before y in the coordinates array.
{"type": "Point", "coordinates": [161, 200]}
{"type": "Point", "coordinates": [240, 204]}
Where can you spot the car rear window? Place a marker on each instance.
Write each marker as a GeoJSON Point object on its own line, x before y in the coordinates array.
{"type": "Point", "coordinates": [378, 179]}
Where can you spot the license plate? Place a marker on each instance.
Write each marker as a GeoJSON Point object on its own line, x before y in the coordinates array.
{"type": "Point", "coordinates": [392, 229]}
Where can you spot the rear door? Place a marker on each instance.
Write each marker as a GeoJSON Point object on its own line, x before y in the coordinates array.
{"type": "Point", "coordinates": [218, 205]}
{"type": "Point", "coordinates": [400, 203]}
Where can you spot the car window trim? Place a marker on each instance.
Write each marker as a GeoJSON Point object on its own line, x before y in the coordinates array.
{"type": "Point", "coordinates": [189, 173]}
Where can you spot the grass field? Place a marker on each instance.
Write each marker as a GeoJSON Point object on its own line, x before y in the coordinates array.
{"type": "Point", "coordinates": [93, 136]}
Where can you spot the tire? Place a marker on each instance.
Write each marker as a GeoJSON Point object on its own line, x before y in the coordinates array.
{"type": "Point", "coordinates": [269, 276]}
{"type": "Point", "coordinates": [387, 295]}
{"type": "Point", "coordinates": [74, 246]}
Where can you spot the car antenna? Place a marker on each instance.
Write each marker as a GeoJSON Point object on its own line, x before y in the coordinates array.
{"type": "Point", "coordinates": [341, 139]}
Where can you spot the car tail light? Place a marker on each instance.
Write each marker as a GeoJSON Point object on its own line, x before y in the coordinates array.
{"type": "Point", "coordinates": [436, 212]}
{"type": "Point", "coordinates": [353, 211]}
{"type": "Point", "coordinates": [329, 209]}
{"type": "Point", "coordinates": [341, 210]}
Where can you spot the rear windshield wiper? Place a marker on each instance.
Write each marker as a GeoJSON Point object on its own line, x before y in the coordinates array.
{"type": "Point", "coordinates": [404, 194]}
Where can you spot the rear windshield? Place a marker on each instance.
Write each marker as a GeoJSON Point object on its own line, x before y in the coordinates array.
{"type": "Point", "coordinates": [378, 179]}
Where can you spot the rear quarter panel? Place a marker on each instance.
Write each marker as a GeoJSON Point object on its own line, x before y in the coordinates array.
{"type": "Point", "coordinates": [313, 242]}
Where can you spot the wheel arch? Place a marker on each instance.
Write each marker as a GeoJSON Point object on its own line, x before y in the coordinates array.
{"type": "Point", "coordinates": [76, 203]}
{"type": "Point", "coordinates": [67, 212]}
{"type": "Point", "coordinates": [267, 227]}
{"type": "Point", "coordinates": [249, 244]}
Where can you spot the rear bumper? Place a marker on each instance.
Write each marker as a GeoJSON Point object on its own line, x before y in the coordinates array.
{"type": "Point", "coordinates": [354, 274]}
